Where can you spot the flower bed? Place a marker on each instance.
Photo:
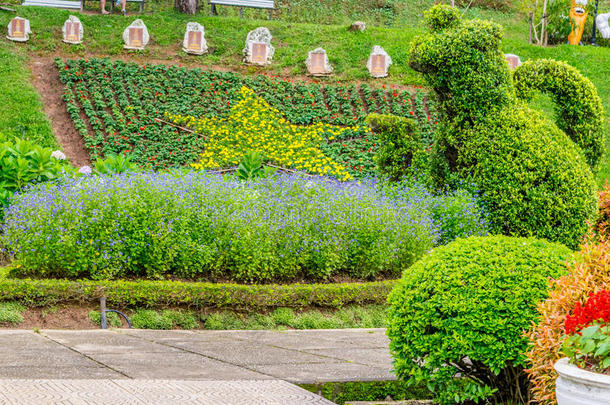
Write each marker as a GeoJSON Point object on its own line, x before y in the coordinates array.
{"type": "Point", "coordinates": [203, 226]}
{"type": "Point", "coordinates": [116, 106]}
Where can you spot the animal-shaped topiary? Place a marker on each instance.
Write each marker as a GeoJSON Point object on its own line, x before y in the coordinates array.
{"type": "Point", "coordinates": [532, 178]}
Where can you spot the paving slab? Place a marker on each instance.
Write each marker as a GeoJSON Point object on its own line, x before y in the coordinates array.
{"type": "Point", "coordinates": [309, 356]}
{"type": "Point", "coordinates": [268, 392]}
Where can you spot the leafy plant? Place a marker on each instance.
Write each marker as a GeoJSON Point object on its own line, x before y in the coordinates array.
{"type": "Point", "coordinates": [401, 152]}
{"type": "Point", "coordinates": [588, 274]}
{"type": "Point", "coordinates": [588, 333]}
{"type": "Point", "coordinates": [251, 167]}
{"type": "Point", "coordinates": [123, 105]}
{"type": "Point", "coordinates": [530, 177]}
{"type": "Point", "coordinates": [457, 316]}
{"type": "Point", "coordinates": [114, 164]}
{"type": "Point", "coordinates": [205, 226]}
{"type": "Point", "coordinates": [11, 313]}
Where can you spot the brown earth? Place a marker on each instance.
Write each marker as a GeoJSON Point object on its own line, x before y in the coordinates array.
{"type": "Point", "coordinates": [64, 317]}
{"type": "Point", "coordinates": [45, 79]}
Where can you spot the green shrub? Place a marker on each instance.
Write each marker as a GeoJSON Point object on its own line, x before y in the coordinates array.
{"type": "Point", "coordinates": [204, 226]}
{"type": "Point", "coordinates": [578, 107]}
{"type": "Point", "coordinates": [123, 294]}
{"type": "Point", "coordinates": [340, 392]}
{"type": "Point", "coordinates": [442, 17]}
{"type": "Point", "coordinates": [23, 163]}
{"type": "Point", "coordinates": [112, 319]}
{"type": "Point", "coordinates": [457, 316]}
{"type": "Point", "coordinates": [401, 152]}
{"type": "Point", "coordinates": [150, 319]}
{"type": "Point", "coordinates": [114, 164]}
{"type": "Point", "coordinates": [10, 313]}
{"type": "Point", "coordinates": [531, 179]}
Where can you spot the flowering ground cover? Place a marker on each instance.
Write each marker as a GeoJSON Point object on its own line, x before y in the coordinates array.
{"type": "Point", "coordinates": [198, 225]}
{"type": "Point", "coordinates": [119, 107]}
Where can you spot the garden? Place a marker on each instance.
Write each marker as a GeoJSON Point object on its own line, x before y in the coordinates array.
{"type": "Point", "coordinates": [457, 212]}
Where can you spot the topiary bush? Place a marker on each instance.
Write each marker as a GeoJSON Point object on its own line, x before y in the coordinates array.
{"type": "Point", "coordinates": [531, 178]}
{"type": "Point", "coordinates": [456, 318]}
{"type": "Point", "coordinates": [401, 152]}
{"type": "Point", "coordinates": [589, 274]}
{"type": "Point", "coordinates": [578, 107]}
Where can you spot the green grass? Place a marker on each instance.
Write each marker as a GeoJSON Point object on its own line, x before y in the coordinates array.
{"type": "Point", "coordinates": [21, 111]}
{"type": "Point", "coordinates": [299, 27]}
{"type": "Point", "coordinates": [10, 313]}
{"type": "Point", "coordinates": [370, 316]}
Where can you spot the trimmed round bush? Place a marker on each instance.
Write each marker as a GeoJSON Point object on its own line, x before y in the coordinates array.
{"type": "Point", "coordinates": [457, 317]}
{"type": "Point", "coordinates": [578, 107]}
{"type": "Point", "coordinates": [204, 226]}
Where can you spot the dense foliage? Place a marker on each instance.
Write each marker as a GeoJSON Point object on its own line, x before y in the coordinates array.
{"type": "Point", "coordinates": [253, 125]}
{"type": "Point", "coordinates": [532, 179]}
{"type": "Point", "coordinates": [119, 108]}
{"type": "Point", "coordinates": [578, 107]}
{"type": "Point", "coordinates": [203, 226]}
{"type": "Point", "coordinates": [588, 274]}
{"type": "Point", "coordinates": [23, 163]}
{"type": "Point", "coordinates": [163, 294]}
{"type": "Point", "coordinates": [588, 333]}
{"type": "Point", "coordinates": [401, 150]}
{"type": "Point", "coordinates": [462, 310]}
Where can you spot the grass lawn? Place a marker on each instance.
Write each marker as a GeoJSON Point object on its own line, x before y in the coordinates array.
{"type": "Point", "coordinates": [293, 38]}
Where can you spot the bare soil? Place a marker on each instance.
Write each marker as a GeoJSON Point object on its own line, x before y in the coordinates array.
{"type": "Point", "coordinates": [45, 79]}
{"type": "Point", "coordinates": [63, 317]}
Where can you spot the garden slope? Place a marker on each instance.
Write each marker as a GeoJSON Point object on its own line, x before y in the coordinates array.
{"type": "Point", "coordinates": [347, 51]}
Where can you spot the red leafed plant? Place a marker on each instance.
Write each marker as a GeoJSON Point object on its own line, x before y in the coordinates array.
{"type": "Point", "coordinates": [587, 343]}
{"type": "Point", "coordinates": [597, 308]}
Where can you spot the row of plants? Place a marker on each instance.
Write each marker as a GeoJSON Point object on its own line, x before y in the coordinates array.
{"type": "Point", "coordinates": [196, 225]}
{"type": "Point", "coordinates": [196, 295]}
{"type": "Point", "coordinates": [119, 108]}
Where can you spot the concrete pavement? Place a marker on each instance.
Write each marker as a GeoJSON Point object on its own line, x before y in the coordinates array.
{"type": "Point", "coordinates": [219, 366]}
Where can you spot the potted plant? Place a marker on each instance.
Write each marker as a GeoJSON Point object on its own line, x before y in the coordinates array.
{"type": "Point", "coordinates": [584, 374]}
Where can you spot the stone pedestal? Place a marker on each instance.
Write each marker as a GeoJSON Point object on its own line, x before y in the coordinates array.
{"type": "Point", "coordinates": [194, 39]}
{"type": "Point", "coordinates": [72, 31]}
{"type": "Point", "coordinates": [19, 30]}
{"type": "Point", "coordinates": [258, 49]}
{"type": "Point", "coordinates": [513, 61]}
{"type": "Point", "coordinates": [317, 63]}
{"type": "Point", "coordinates": [379, 62]}
{"type": "Point", "coordinates": [136, 36]}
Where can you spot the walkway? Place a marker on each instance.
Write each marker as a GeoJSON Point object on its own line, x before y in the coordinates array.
{"type": "Point", "coordinates": [214, 364]}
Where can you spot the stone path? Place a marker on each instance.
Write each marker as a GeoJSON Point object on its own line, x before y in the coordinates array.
{"type": "Point", "coordinates": [215, 366]}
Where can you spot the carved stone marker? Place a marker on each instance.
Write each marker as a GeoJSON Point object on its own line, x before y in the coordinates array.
{"type": "Point", "coordinates": [357, 26]}
{"type": "Point", "coordinates": [513, 61]}
{"type": "Point", "coordinates": [379, 62]}
{"type": "Point", "coordinates": [317, 63]}
{"type": "Point", "coordinates": [194, 39]}
{"type": "Point", "coordinates": [19, 30]}
{"type": "Point", "coordinates": [258, 49]}
{"type": "Point", "coordinates": [73, 31]}
{"type": "Point", "coordinates": [136, 36]}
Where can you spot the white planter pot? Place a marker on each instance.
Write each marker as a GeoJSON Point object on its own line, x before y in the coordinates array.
{"type": "Point", "coordinates": [576, 386]}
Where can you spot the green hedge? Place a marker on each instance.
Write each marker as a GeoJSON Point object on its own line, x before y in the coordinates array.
{"type": "Point", "coordinates": [578, 107]}
{"type": "Point", "coordinates": [193, 295]}
{"type": "Point", "coordinates": [341, 392]}
{"type": "Point", "coordinates": [401, 152]}
{"type": "Point", "coordinates": [462, 310]}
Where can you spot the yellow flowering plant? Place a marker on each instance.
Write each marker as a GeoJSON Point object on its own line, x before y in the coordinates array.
{"type": "Point", "coordinates": [254, 125]}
